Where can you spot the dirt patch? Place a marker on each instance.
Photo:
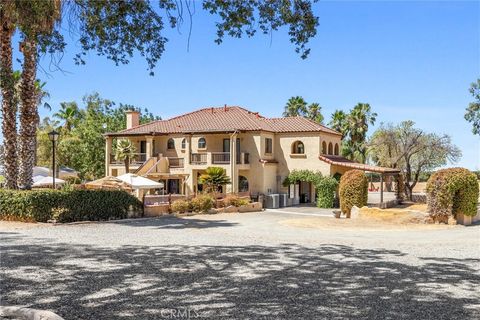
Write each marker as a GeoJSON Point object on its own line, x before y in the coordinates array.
{"type": "Point", "coordinates": [13, 225]}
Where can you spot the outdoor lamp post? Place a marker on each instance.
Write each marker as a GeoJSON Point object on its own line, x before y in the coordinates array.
{"type": "Point", "coordinates": [53, 136]}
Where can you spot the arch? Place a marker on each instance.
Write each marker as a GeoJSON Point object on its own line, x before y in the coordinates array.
{"type": "Point", "coordinates": [184, 143]}
{"type": "Point", "coordinates": [336, 152]}
{"type": "Point", "coordinates": [324, 147]}
{"type": "Point", "coordinates": [298, 147]}
{"type": "Point", "coordinates": [171, 144]}
{"type": "Point", "coordinates": [330, 148]}
{"type": "Point", "coordinates": [202, 143]}
{"type": "Point", "coordinates": [242, 184]}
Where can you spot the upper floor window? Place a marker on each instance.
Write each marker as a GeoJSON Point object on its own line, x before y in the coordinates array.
{"type": "Point", "coordinates": [170, 144]}
{"type": "Point", "coordinates": [184, 143]}
{"type": "Point", "coordinates": [268, 145]}
{"type": "Point", "coordinates": [298, 147]}
{"type": "Point", "coordinates": [324, 147]}
{"type": "Point", "coordinates": [336, 149]}
{"type": "Point", "coordinates": [202, 143]}
{"type": "Point", "coordinates": [330, 148]}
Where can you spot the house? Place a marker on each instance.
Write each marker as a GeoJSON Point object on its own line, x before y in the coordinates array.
{"type": "Point", "coordinates": [257, 152]}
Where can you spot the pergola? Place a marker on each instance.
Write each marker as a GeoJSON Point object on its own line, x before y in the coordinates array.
{"type": "Point", "coordinates": [349, 164]}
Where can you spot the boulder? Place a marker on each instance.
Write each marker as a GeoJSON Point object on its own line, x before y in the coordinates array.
{"type": "Point", "coordinates": [230, 209]}
{"type": "Point", "coordinates": [251, 207]}
{"type": "Point", "coordinates": [355, 212]}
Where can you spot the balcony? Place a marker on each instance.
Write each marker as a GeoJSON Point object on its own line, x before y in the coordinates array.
{"type": "Point", "coordinates": [218, 158]}
{"type": "Point", "coordinates": [138, 158]}
{"type": "Point", "coordinates": [176, 163]}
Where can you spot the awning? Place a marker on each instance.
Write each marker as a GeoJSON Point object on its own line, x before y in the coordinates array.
{"type": "Point", "coordinates": [346, 163]}
{"type": "Point", "coordinates": [108, 182]}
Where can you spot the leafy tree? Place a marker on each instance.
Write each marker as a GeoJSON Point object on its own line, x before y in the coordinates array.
{"type": "Point", "coordinates": [124, 151]}
{"type": "Point", "coordinates": [69, 114]}
{"type": "Point", "coordinates": [473, 111]}
{"type": "Point", "coordinates": [214, 178]}
{"type": "Point", "coordinates": [298, 107]}
{"type": "Point", "coordinates": [412, 151]}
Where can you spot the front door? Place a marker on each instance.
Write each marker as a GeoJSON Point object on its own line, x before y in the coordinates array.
{"type": "Point", "coordinates": [174, 186]}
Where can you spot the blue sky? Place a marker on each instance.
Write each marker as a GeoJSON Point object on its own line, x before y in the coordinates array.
{"type": "Point", "coordinates": [409, 60]}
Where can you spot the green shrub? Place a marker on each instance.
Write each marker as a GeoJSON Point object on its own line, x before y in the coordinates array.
{"type": "Point", "coordinates": [233, 200]}
{"type": "Point", "coordinates": [450, 192]}
{"type": "Point", "coordinates": [202, 203]}
{"type": "Point", "coordinates": [180, 206]}
{"type": "Point", "coordinates": [353, 191]}
{"type": "Point", "coordinates": [302, 175]}
{"type": "Point", "coordinates": [326, 189]}
{"type": "Point", "coordinates": [67, 206]}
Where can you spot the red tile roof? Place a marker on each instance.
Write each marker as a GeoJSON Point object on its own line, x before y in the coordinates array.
{"type": "Point", "coordinates": [344, 162]}
{"type": "Point", "coordinates": [225, 119]}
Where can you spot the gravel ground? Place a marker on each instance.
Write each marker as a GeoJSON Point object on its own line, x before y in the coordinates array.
{"type": "Point", "coordinates": [239, 266]}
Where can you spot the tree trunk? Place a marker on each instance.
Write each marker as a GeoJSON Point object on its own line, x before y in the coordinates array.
{"type": "Point", "coordinates": [28, 114]}
{"type": "Point", "coordinates": [9, 106]}
{"type": "Point", "coordinates": [408, 191]}
{"type": "Point", "coordinates": [127, 164]}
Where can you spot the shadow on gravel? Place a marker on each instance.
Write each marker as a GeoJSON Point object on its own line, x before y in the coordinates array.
{"type": "Point", "coordinates": [288, 281]}
{"type": "Point", "coordinates": [175, 223]}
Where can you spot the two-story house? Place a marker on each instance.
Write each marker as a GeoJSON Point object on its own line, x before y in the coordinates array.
{"type": "Point", "coordinates": [256, 152]}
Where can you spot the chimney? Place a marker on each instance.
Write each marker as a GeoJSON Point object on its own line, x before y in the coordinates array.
{"type": "Point", "coordinates": [133, 118]}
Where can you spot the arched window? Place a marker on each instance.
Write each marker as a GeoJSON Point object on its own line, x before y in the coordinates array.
{"type": "Point", "coordinates": [184, 143]}
{"type": "Point", "coordinates": [336, 149]}
{"type": "Point", "coordinates": [242, 184]}
{"type": "Point", "coordinates": [324, 147]}
{"type": "Point", "coordinates": [330, 148]}
{"type": "Point", "coordinates": [170, 144]}
{"type": "Point", "coordinates": [202, 143]}
{"type": "Point", "coordinates": [298, 147]}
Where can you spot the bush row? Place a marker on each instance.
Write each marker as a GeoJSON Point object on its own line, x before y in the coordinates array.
{"type": "Point", "coordinates": [201, 203]}
{"type": "Point", "coordinates": [326, 190]}
{"type": "Point", "coordinates": [67, 206]}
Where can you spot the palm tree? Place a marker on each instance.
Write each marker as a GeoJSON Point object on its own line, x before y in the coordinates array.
{"type": "Point", "coordinates": [314, 113]}
{"type": "Point", "coordinates": [68, 113]}
{"type": "Point", "coordinates": [124, 151]}
{"type": "Point", "coordinates": [213, 178]}
{"type": "Point", "coordinates": [7, 86]}
{"type": "Point", "coordinates": [357, 124]}
{"type": "Point", "coordinates": [338, 122]}
{"type": "Point", "coordinates": [33, 21]}
{"type": "Point", "coordinates": [296, 106]}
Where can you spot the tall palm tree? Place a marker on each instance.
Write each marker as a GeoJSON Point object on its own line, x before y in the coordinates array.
{"type": "Point", "coordinates": [68, 113]}
{"type": "Point", "coordinates": [7, 85]}
{"type": "Point", "coordinates": [124, 151]}
{"type": "Point", "coordinates": [314, 113]}
{"type": "Point", "coordinates": [357, 123]}
{"type": "Point", "coordinates": [296, 106]}
{"type": "Point", "coordinates": [33, 21]}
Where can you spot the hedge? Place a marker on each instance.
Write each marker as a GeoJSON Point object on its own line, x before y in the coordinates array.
{"type": "Point", "coordinates": [67, 206]}
{"type": "Point", "coordinates": [451, 192]}
{"type": "Point", "coordinates": [353, 191]}
{"type": "Point", "coordinates": [326, 189]}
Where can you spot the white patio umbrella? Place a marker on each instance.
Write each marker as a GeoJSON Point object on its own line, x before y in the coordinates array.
{"type": "Point", "coordinates": [139, 182]}
{"type": "Point", "coordinates": [47, 181]}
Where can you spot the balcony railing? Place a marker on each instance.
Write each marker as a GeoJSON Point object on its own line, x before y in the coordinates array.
{"type": "Point", "coordinates": [138, 158]}
{"type": "Point", "coordinates": [176, 162]}
{"type": "Point", "coordinates": [198, 158]}
{"type": "Point", "coordinates": [220, 157]}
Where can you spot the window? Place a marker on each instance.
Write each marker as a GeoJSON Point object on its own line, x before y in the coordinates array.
{"type": "Point", "coordinates": [298, 147]}
{"type": "Point", "coordinates": [184, 143]}
{"type": "Point", "coordinates": [242, 184]}
{"type": "Point", "coordinates": [202, 143]}
{"type": "Point", "coordinates": [324, 147]}
{"type": "Point", "coordinates": [336, 149]}
{"type": "Point", "coordinates": [330, 148]}
{"type": "Point", "coordinates": [170, 144]}
{"type": "Point", "coordinates": [268, 145]}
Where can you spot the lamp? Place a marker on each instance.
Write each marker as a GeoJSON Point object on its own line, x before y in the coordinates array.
{"type": "Point", "coordinates": [53, 136]}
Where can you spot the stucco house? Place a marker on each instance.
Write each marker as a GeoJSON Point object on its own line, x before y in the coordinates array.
{"type": "Point", "coordinates": [256, 152]}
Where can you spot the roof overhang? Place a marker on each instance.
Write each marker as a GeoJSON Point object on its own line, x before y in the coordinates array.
{"type": "Point", "coordinates": [346, 163]}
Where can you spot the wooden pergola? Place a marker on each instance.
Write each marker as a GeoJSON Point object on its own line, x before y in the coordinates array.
{"type": "Point", "coordinates": [346, 163]}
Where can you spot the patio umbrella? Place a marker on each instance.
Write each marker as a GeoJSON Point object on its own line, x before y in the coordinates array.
{"type": "Point", "coordinates": [139, 182]}
{"type": "Point", "coordinates": [108, 182]}
{"type": "Point", "coordinates": [47, 181]}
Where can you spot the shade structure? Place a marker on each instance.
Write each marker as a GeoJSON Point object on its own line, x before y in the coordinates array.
{"type": "Point", "coordinates": [47, 181]}
{"type": "Point", "coordinates": [108, 182]}
{"type": "Point", "coordinates": [139, 182]}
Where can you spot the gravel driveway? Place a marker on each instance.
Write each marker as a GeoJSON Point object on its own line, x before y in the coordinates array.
{"type": "Point", "coordinates": [239, 266]}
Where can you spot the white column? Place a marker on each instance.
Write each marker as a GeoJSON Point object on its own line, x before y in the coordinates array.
{"type": "Point", "coordinates": [108, 150]}
{"type": "Point", "coordinates": [149, 148]}
{"type": "Point", "coordinates": [233, 163]}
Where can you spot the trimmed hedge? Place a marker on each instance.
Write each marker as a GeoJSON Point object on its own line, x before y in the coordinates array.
{"type": "Point", "coordinates": [67, 206]}
{"type": "Point", "coordinates": [353, 191]}
{"type": "Point", "coordinates": [452, 191]}
{"type": "Point", "coordinates": [326, 189]}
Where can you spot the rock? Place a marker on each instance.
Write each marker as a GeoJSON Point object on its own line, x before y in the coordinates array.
{"type": "Point", "coordinates": [452, 221]}
{"type": "Point", "coordinates": [337, 213]}
{"type": "Point", "coordinates": [251, 207]}
{"type": "Point", "coordinates": [230, 209]}
{"type": "Point", "coordinates": [212, 211]}
{"type": "Point", "coordinates": [355, 212]}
